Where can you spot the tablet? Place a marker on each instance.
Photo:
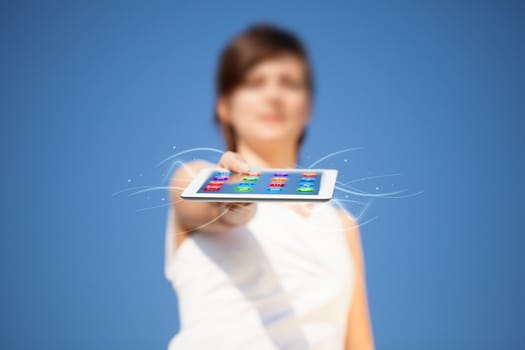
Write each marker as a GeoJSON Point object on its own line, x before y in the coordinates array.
{"type": "Point", "coordinates": [222, 185]}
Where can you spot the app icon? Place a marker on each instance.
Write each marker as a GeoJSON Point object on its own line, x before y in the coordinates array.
{"type": "Point", "coordinates": [252, 173]}
{"type": "Point", "coordinates": [276, 184]}
{"type": "Point", "coordinates": [309, 174]}
{"type": "Point", "coordinates": [280, 174]}
{"type": "Point", "coordinates": [212, 188]}
{"type": "Point", "coordinates": [245, 184]}
{"type": "Point", "coordinates": [220, 178]}
{"type": "Point", "coordinates": [243, 189]}
{"type": "Point", "coordinates": [279, 179]}
{"type": "Point", "coordinates": [306, 184]}
{"type": "Point", "coordinates": [223, 173]}
{"type": "Point", "coordinates": [250, 178]}
{"type": "Point", "coordinates": [307, 179]}
{"type": "Point", "coordinates": [274, 189]}
{"type": "Point", "coordinates": [216, 183]}
{"type": "Point", "coordinates": [305, 189]}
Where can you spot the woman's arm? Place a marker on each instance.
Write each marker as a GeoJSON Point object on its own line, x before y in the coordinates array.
{"type": "Point", "coordinates": [359, 334]}
{"type": "Point", "coordinates": [192, 215]}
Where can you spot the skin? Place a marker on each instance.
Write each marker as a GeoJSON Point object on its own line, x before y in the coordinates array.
{"type": "Point", "coordinates": [268, 111]}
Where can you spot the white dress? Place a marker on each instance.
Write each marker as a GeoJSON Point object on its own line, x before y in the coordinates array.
{"type": "Point", "coordinates": [279, 282]}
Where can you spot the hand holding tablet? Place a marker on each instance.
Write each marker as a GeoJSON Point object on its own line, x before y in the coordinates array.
{"type": "Point", "coordinates": [220, 184]}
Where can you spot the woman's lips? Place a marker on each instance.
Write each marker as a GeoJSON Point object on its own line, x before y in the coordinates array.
{"type": "Point", "coordinates": [272, 118]}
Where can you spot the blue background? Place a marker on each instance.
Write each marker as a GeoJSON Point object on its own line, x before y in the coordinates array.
{"type": "Point", "coordinates": [95, 94]}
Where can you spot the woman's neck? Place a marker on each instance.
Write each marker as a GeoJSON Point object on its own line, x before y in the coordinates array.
{"type": "Point", "coordinates": [276, 156]}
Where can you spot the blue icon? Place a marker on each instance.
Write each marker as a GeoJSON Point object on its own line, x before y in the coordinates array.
{"type": "Point", "coordinates": [274, 189]}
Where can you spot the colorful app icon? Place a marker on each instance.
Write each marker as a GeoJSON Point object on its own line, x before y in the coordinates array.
{"type": "Point", "coordinates": [277, 184]}
{"type": "Point", "coordinates": [307, 179]}
{"type": "Point", "coordinates": [279, 179]}
{"type": "Point", "coordinates": [309, 174]}
{"type": "Point", "coordinates": [223, 173]}
{"type": "Point", "coordinates": [216, 183]}
{"type": "Point", "coordinates": [243, 189]}
{"type": "Point", "coordinates": [220, 178]}
{"type": "Point", "coordinates": [250, 178]}
{"type": "Point", "coordinates": [306, 184]}
{"type": "Point", "coordinates": [252, 173]}
{"type": "Point", "coordinates": [274, 189]}
{"type": "Point", "coordinates": [212, 188]}
{"type": "Point", "coordinates": [244, 184]}
{"type": "Point", "coordinates": [305, 189]}
{"type": "Point", "coordinates": [280, 174]}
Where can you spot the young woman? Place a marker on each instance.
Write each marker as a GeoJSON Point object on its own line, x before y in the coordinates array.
{"type": "Point", "coordinates": [265, 275]}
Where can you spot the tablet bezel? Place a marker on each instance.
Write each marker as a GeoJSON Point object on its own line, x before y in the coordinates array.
{"type": "Point", "coordinates": [326, 189]}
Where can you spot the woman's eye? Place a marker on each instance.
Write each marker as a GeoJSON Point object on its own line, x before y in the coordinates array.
{"type": "Point", "coordinates": [253, 83]}
{"type": "Point", "coordinates": [293, 84]}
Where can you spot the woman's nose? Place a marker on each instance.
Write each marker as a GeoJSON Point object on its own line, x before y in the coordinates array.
{"type": "Point", "coordinates": [273, 91]}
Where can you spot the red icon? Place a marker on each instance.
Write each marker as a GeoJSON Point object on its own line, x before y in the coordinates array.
{"type": "Point", "coordinates": [252, 173]}
{"type": "Point", "coordinates": [212, 188]}
{"type": "Point", "coordinates": [216, 183]}
{"type": "Point", "coordinates": [277, 184]}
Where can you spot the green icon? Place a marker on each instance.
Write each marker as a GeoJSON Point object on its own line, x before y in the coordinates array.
{"type": "Point", "coordinates": [305, 189]}
{"type": "Point", "coordinates": [243, 189]}
{"type": "Point", "coordinates": [250, 178]}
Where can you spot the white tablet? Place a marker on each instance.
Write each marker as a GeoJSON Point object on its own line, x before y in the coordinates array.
{"type": "Point", "coordinates": [222, 185]}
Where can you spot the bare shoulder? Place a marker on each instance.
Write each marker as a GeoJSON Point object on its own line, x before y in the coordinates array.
{"type": "Point", "coordinates": [350, 224]}
{"type": "Point", "coordinates": [352, 234]}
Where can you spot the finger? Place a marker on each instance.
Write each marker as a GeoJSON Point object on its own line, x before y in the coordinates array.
{"type": "Point", "coordinates": [223, 207]}
{"type": "Point", "coordinates": [246, 204]}
{"type": "Point", "coordinates": [234, 162]}
{"type": "Point", "coordinates": [234, 206]}
{"type": "Point", "coordinates": [242, 206]}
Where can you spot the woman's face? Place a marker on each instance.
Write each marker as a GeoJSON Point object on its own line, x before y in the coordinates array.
{"type": "Point", "coordinates": [271, 107]}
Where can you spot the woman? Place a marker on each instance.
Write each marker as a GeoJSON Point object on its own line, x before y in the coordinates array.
{"type": "Point", "coordinates": [265, 275]}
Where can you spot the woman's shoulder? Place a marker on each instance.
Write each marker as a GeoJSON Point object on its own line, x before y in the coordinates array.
{"type": "Point", "coordinates": [352, 233]}
{"type": "Point", "coordinates": [345, 216]}
{"type": "Point", "coordinates": [349, 223]}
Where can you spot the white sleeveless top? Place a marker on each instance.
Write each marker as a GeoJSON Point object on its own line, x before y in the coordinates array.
{"type": "Point", "coordinates": [279, 282]}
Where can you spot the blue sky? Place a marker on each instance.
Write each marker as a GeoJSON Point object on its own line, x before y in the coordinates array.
{"type": "Point", "coordinates": [94, 95]}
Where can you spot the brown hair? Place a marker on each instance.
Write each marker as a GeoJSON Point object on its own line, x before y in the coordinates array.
{"type": "Point", "coordinates": [255, 44]}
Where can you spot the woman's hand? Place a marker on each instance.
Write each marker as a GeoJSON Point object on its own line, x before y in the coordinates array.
{"type": "Point", "coordinates": [212, 217]}
{"type": "Point", "coordinates": [235, 213]}
{"type": "Point", "coordinates": [233, 162]}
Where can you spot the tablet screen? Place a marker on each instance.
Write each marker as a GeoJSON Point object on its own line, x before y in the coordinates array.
{"type": "Point", "coordinates": [263, 182]}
